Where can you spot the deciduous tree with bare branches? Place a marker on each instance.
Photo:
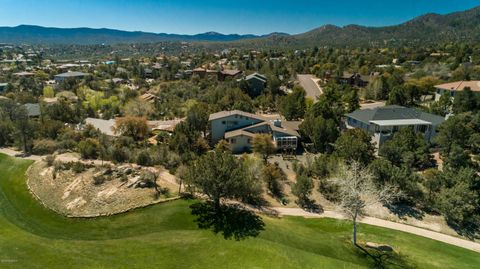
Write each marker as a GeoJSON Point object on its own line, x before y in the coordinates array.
{"type": "Point", "coordinates": [358, 191]}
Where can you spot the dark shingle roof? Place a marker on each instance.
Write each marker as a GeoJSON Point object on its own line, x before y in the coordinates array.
{"type": "Point", "coordinates": [394, 112]}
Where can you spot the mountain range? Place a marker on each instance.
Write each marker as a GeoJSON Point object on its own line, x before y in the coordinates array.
{"type": "Point", "coordinates": [428, 28]}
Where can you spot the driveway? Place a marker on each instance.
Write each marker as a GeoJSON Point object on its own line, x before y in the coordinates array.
{"type": "Point", "coordinates": [309, 83]}
{"type": "Point", "coordinates": [459, 242]}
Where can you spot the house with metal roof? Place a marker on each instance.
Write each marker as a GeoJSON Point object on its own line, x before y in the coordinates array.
{"type": "Point", "coordinates": [382, 122]}
{"type": "Point", "coordinates": [239, 128]}
{"type": "Point", "coordinates": [69, 75]}
{"type": "Point", "coordinates": [453, 87]}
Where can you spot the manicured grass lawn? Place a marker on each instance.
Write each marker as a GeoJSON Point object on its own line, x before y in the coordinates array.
{"type": "Point", "coordinates": [165, 236]}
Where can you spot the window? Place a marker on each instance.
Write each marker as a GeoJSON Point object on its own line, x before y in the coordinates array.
{"type": "Point", "coordinates": [223, 122]}
{"type": "Point", "coordinates": [233, 141]}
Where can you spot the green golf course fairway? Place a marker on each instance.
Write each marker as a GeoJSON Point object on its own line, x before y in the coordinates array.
{"type": "Point", "coordinates": [166, 236]}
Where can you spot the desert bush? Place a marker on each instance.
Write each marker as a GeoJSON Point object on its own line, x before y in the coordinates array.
{"type": "Point", "coordinates": [44, 146]}
{"type": "Point", "coordinates": [78, 167]}
{"type": "Point", "coordinates": [50, 159]}
{"type": "Point", "coordinates": [143, 158]}
{"type": "Point", "coordinates": [99, 180]}
{"type": "Point", "coordinates": [89, 148]}
{"type": "Point", "coordinates": [329, 190]}
{"type": "Point", "coordinates": [148, 179]}
{"type": "Point", "coordinates": [120, 154]}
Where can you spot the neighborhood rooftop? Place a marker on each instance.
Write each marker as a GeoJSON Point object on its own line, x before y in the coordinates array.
{"type": "Point", "coordinates": [71, 74]}
{"type": "Point", "coordinates": [460, 86]}
{"type": "Point", "coordinates": [257, 76]}
{"type": "Point", "coordinates": [394, 112]}
{"type": "Point", "coordinates": [223, 114]}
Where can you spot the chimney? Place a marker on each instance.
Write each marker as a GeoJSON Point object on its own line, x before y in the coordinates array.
{"type": "Point", "coordinates": [277, 123]}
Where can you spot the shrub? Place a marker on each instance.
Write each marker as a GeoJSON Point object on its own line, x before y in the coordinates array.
{"type": "Point", "coordinates": [78, 167]}
{"type": "Point", "coordinates": [89, 148]}
{"type": "Point", "coordinates": [148, 179]}
{"type": "Point", "coordinates": [99, 180]}
{"type": "Point", "coordinates": [44, 146]}
{"type": "Point", "coordinates": [50, 159]}
{"type": "Point", "coordinates": [143, 158]}
{"type": "Point", "coordinates": [120, 154]}
{"type": "Point", "coordinates": [329, 190]}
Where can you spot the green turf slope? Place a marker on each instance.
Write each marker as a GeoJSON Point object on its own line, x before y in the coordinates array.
{"type": "Point", "coordinates": [165, 236]}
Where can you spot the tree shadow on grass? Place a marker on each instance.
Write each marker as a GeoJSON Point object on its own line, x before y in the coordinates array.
{"type": "Point", "coordinates": [232, 221]}
{"type": "Point", "coordinates": [385, 259]}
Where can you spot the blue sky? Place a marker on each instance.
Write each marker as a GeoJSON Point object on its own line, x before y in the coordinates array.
{"type": "Point", "coordinates": [227, 16]}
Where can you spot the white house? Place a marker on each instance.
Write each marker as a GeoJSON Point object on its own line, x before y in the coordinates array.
{"type": "Point", "coordinates": [382, 122]}
{"type": "Point", "coordinates": [238, 128]}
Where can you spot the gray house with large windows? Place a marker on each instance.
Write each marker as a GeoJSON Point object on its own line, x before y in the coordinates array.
{"type": "Point", "coordinates": [382, 122]}
{"type": "Point", "coordinates": [239, 128]}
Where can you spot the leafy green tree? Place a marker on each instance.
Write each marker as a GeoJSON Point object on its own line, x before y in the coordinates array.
{"type": "Point", "coordinates": [459, 200]}
{"type": "Point", "coordinates": [454, 131]}
{"type": "Point", "coordinates": [89, 148]}
{"type": "Point", "coordinates": [303, 189]}
{"type": "Point", "coordinates": [24, 128]}
{"type": "Point", "coordinates": [385, 173]}
{"type": "Point", "coordinates": [262, 144]}
{"type": "Point", "coordinates": [329, 105]}
{"type": "Point", "coordinates": [62, 111]}
{"type": "Point", "coordinates": [197, 117]}
{"type": "Point", "coordinates": [219, 175]}
{"type": "Point", "coordinates": [7, 131]}
{"type": "Point", "coordinates": [273, 176]}
{"type": "Point", "coordinates": [465, 101]}
{"type": "Point", "coordinates": [138, 108]}
{"type": "Point", "coordinates": [407, 148]}
{"type": "Point", "coordinates": [397, 96]}
{"type": "Point", "coordinates": [351, 101]}
{"type": "Point", "coordinates": [293, 106]}
{"type": "Point", "coordinates": [443, 105]}
{"type": "Point", "coordinates": [48, 92]}
{"type": "Point", "coordinates": [134, 127]}
{"type": "Point", "coordinates": [355, 145]}
{"type": "Point", "coordinates": [321, 132]}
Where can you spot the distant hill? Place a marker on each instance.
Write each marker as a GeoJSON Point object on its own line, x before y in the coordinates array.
{"type": "Point", "coordinates": [32, 34]}
{"type": "Point", "coordinates": [428, 28]}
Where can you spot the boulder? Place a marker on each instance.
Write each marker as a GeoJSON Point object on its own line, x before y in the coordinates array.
{"type": "Point", "coordinates": [379, 247]}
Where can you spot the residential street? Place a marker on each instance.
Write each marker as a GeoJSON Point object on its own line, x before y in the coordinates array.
{"type": "Point", "coordinates": [309, 83]}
